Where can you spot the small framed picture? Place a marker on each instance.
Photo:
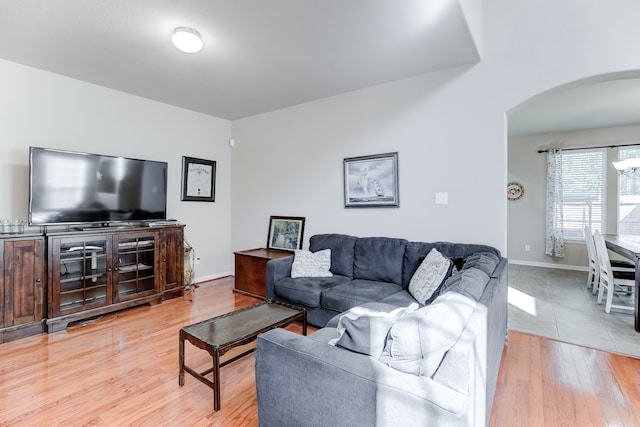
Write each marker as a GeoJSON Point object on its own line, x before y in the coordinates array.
{"type": "Point", "coordinates": [285, 233]}
{"type": "Point", "coordinates": [198, 180]}
{"type": "Point", "coordinates": [371, 181]}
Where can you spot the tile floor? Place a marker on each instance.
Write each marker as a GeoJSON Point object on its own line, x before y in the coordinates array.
{"type": "Point", "coordinates": [556, 304]}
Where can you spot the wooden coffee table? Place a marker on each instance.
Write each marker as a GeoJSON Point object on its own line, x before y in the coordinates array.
{"type": "Point", "coordinates": [220, 334]}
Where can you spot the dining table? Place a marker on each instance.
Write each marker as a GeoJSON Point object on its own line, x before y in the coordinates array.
{"type": "Point", "coordinates": [629, 247]}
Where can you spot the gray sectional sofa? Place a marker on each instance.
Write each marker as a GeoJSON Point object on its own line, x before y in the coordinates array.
{"type": "Point", "coordinates": [307, 381]}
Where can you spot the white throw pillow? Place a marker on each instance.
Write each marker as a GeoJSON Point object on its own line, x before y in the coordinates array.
{"type": "Point", "coordinates": [429, 275]}
{"type": "Point", "coordinates": [364, 330]}
{"type": "Point", "coordinates": [418, 341]}
{"type": "Point", "coordinates": [311, 264]}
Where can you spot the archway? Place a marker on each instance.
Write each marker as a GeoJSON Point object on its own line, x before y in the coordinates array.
{"type": "Point", "coordinates": [598, 111]}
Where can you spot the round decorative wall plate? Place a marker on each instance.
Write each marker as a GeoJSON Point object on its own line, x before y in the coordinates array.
{"type": "Point", "coordinates": [514, 191]}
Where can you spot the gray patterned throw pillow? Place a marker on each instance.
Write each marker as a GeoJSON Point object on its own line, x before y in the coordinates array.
{"type": "Point", "coordinates": [429, 275]}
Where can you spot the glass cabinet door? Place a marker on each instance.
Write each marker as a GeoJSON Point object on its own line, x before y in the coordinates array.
{"type": "Point", "coordinates": [82, 270]}
{"type": "Point", "coordinates": [136, 259]}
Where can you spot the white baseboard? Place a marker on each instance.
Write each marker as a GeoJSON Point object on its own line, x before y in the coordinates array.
{"type": "Point", "coordinates": [200, 279]}
{"type": "Point", "coordinates": [549, 265]}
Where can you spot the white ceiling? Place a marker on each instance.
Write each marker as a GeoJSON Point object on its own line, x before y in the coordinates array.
{"type": "Point", "coordinates": [587, 106]}
{"type": "Point", "coordinates": [258, 55]}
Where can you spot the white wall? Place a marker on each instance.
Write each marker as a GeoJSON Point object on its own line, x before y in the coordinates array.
{"type": "Point", "coordinates": [449, 128]}
{"type": "Point", "coordinates": [291, 163]}
{"type": "Point", "coordinates": [48, 110]}
{"type": "Point", "coordinates": [526, 217]}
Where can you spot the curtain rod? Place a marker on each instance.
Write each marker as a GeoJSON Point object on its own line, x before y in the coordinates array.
{"type": "Point", "coordinates": [586, 148]}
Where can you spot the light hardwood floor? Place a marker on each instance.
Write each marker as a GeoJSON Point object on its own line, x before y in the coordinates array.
{"type": "Point", "coordinates": [544, 382]}
{"type": "Point", "coordinates": [123, 370]}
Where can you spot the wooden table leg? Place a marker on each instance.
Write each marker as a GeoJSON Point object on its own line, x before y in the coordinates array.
{"type": "Point", "coordinates": [304, 324]}
{"type": "Point", "coordinates": [181, 360]}
{"type": "Point", "coordinates": [216, 380]}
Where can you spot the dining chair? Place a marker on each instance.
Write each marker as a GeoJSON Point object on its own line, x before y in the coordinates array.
{"type": "Point", "coordinates": [608, 283]}
{"type": "Point", "coordinates": [594, 267]}
{"type": "Point", "coordinates": [621, 269]}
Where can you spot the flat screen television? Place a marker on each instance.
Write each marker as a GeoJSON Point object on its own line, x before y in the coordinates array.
{"type": "Point", "coordinates": [67, 187]}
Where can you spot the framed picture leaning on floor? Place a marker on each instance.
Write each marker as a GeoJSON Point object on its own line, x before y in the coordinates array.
{"type": "Point", "coordinates": [285, 233]}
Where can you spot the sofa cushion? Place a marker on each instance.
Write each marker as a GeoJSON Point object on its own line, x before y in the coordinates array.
{"type": "Point", "coordinates": [306, 290]}
{"type": "Point", "coordinates": [457, 252]}
{"type": "Point", "coordinates": [379, 259]}
{"type": "Point", "coordinates": [311, 264]}
{"type": "Point", "coordinates": [431, 273]}
{"type": "Point", "coordinates": [373, 306]}
{"type": "Point", "coordinates": [418, 341]}
{"type": "Point", "coordinates": [463, 250]}
{"type": "Point", "coordinates": [355, 292]}
{"type": "Point", "coordinates": [342, 251]}
{"type": "Point", "coordinates": [364, 330]}
{"type": "Point", "coordinates": [399, 299]}
{"type": "Point", "coordinates": [324, 335]}
{"type": "Point", "coordinates": [485, 261]}
{"type": "Point", "coordinates": [469, 282]}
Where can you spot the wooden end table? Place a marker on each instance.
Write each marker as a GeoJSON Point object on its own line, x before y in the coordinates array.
{"type": "Point", "coordinates": [220, 334]}
{"type": "Point", "coordinates": [251, 270]}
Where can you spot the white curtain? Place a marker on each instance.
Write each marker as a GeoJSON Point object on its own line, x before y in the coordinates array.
{"type": "Point", "coordinates": [554, 235]}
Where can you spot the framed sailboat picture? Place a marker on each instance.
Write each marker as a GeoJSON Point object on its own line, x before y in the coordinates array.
{"type": "Point", "coordinates": [371, 181]}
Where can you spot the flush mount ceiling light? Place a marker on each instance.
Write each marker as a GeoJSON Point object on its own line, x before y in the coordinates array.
{"type": "Point", "coordinates": [187, 39]}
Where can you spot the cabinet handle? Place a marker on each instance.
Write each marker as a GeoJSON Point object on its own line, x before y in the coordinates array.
{"type": "Point", "coordinates": [38, 280]}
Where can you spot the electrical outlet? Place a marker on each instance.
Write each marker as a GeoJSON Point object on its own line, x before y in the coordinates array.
{"type": "Point", "coordinates": [442, 198]}
{"type": "Point", "coordinates": [196, 260]}
{"type": "Point", "coordinates": [527, 247]}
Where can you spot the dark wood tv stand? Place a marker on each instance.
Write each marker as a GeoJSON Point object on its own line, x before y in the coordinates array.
{"type": "Point", "coordinates": [103, 270]}
{"type": "Point", "coordinates": [22, 286]}
{"type": "Point", "coordinates": [50, 279]}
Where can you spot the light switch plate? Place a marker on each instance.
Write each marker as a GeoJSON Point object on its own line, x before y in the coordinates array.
{"type": "Point", "coordinates": [442, 198]}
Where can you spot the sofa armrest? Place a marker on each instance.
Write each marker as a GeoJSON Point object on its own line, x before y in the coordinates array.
{"type": "Point", "coordinates": [300, 381]}
{"type": "Point", "coordinates": [495, 299]}
{"type": "Point", "coordinates": [464, 367]}
{"type": "Point", "coordinates": [277, 269]}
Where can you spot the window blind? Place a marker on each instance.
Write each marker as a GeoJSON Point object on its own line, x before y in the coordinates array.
{"type": "Point", "coordinates": [629, 195]}
{"type": "Point", "coordinates": [583, 191]}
